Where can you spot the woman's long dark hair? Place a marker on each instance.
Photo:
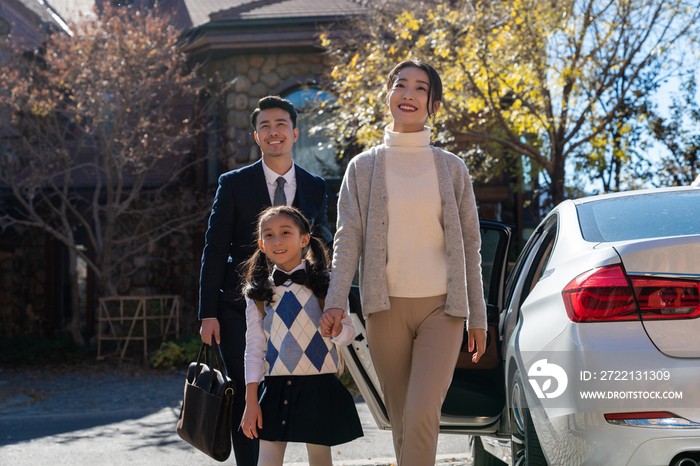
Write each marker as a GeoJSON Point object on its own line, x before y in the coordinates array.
{"type": "Point", "coordinates": [258, 267]}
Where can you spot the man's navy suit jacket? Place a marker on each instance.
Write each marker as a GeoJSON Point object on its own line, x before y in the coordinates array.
{"type": "Point", "coordinates": [231, 237]}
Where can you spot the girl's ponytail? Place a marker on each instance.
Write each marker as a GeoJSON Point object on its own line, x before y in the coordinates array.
{"type": "Point", "coordinates": [317, 268]}
{"type": "Point", "coordinates": [256, 271]}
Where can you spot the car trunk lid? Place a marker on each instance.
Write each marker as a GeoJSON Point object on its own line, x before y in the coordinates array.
{"type": "Point", "coordinates": [665, 273]}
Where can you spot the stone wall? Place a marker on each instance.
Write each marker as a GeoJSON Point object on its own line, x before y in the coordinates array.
{"type": "Point", "coordinates": [167, 268]}
{"type": "Point", "coordinates": [252, 77]}
{"type": "Point", "coordinates": [23, 287]}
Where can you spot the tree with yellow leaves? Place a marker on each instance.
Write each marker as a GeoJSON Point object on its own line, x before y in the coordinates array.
{"type": "Point", "coordinates": [551, 81]}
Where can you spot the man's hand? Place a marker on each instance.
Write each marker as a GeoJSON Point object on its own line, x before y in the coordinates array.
{"type": "Point", "coordinates": [210, 327]}
{"type": "Point", "coordinates": [330, 322]}
{"type": "Point", "coordinates": [477, 337]}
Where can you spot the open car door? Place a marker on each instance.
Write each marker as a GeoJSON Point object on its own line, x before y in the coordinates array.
{"type": "Point", "coordinates": [476, 398]}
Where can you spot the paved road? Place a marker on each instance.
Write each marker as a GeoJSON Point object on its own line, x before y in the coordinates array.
{"type": "Point", "coordinates": [108, 415]}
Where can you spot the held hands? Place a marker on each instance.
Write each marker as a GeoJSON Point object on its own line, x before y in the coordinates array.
{"type": "Point", "coordinates": [210, 327]}
{"type": "Point", "coordinates": [477, 336]}
{"type": "Point", "coordinates": [330, 322]}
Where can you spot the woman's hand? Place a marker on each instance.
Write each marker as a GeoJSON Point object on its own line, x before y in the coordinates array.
{"type": "Point", "coordinates": [477, 337]}
{"type": "Point", "coordinates": [331, 322]}
{"type": "Point", "coordinates": [252, 415]}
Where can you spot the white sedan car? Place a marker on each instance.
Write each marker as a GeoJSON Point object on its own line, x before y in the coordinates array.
{"type": "Point", "coordinates": [594, 354]}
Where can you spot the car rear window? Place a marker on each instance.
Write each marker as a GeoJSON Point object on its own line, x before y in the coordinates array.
{"type": "Point", "coordinates": [641, 216]}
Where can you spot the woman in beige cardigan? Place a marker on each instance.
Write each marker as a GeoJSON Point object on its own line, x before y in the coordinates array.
{"type": "Point", "coordinates": [407, 216]}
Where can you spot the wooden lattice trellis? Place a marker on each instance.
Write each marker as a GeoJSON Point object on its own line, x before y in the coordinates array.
{"type": "Point", "coordinates": [117, 313]}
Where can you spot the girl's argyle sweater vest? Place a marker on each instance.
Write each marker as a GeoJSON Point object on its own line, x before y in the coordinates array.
{"type": "Point", "coordinates": [295, 345]}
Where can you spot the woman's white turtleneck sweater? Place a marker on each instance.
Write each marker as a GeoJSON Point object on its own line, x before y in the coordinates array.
{"type": "Point", "coordinates": [416, 258]}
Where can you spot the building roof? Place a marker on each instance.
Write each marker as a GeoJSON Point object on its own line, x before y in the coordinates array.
{"type": "Point", "coordinates": [74, 11]}
{"type": "Point", "coordinates": [222, 27]}
{"type": "Point", "coordinates": [29, 20]}
{"type": "Point", "coordinates": [258, 9]}
{"type": "Point", "coordinates": [194, 13]}
{"type": "Point", "coordinates": [39, 9]}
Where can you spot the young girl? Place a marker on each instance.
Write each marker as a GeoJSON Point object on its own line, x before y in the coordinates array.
{"type": "Point", "coordinates": [407, 216]}
{"type": "Point", "coordinates": [301, 399]}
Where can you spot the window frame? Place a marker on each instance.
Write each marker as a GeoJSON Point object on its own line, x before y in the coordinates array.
{"type": "Point", "coordinates": [324, 162]}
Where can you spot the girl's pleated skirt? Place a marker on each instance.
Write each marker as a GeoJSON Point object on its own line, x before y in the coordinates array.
{"type": "Point", "coordinates": [314, 409]}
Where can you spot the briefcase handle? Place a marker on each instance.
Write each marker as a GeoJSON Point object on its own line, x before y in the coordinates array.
{"type": "Point", "coordinates": [216, 351]}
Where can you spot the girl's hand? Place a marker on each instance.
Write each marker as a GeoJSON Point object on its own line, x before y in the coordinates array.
{"type": "Point", "coordinates": [330, 322]}
{"type": "Point", "coordinates": [252, 420]}
{"type": "Point", "coordinates": [252, 415]}
{"type": "Point", "coordinates": [477, 337]}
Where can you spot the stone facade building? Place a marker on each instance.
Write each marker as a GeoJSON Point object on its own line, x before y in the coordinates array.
{"type": "Point", "coordinates": [256, 76]}
{"type": "Point", "coordinates": [269, 48]}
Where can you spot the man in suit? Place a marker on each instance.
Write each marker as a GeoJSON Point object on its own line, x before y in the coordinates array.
{"type": "Point", "coordinates": [231, 239]}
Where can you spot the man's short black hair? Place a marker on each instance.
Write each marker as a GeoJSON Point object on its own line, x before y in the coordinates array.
{"type": "Point", "coordinates": [273, 101]}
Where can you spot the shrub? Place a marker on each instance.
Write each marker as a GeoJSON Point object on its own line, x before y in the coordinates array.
{"type": "Point", "coordinates": [177, 353]}
{"type": "Point", "coordinates": [35, 350]}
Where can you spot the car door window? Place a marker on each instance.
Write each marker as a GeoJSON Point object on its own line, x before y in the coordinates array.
{"type": "Point", "coordinates": [542, 255]}
{"type": "Point", "coordinates": [520, 280]}
{"type": "Point", "coordinates": [515, 274]}
{"type": "Point", "coordinates": [494, 244]}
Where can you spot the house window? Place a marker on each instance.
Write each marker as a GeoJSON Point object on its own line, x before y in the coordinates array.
{"type": "Point", "coordinates": [4, 33]}
{"type": "Point", "coordinates": [313, 150]}
{"type": "Point", "coordinates": [82, 272]}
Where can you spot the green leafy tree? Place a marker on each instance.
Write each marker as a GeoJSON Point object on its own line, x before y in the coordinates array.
{"type": "Point", "coordinates": [104, 122]}
{"type": "Point", "coordinates": [552, 81]}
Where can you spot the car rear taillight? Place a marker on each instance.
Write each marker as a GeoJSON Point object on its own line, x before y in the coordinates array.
{"type": "Point", "coordinates": [667, 299]}
{"type": "Point", "coordinates": [600, 295]}
{"type": "Point", "coordinates": [653, 419]}
{"type": "Point", "coordinates": [604, 294]}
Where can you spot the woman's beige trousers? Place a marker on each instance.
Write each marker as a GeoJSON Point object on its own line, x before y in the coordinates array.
{"type": "Point", "coordinates": [414, 346]}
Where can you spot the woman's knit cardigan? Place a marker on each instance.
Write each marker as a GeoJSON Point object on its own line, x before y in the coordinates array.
{"type": "Point", "coordinates": [361, 237]}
